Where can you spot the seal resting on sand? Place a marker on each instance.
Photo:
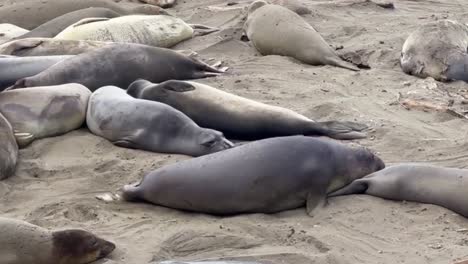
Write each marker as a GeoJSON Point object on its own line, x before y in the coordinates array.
{"type": "Point", "coordinates": [141, 124]}
{"type": "Point", "coordinates": [25, 243]}
{"type": "Point", "coordinates": [41, 112]}
{"type": "Point", "coordinates": [438, 50]}
{"type": "Point", "coordinates": [236, 116]}
{"type": "Point", "coordinates": [446, 187]}
{"type": "Point", "coordinates": [8, 149]}
{"type": "Point", "coordinates": [265, 176]}
{"type": "Point", "coordinates": [276, 30]}
{"type": "Point", "coordinates": [120, 65]}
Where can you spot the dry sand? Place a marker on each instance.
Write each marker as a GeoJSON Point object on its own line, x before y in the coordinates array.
{"type": "Point", "coordinates": [57, 178]}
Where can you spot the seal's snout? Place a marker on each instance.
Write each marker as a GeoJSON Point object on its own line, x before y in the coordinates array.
{"type": "Point", "coordinates": [106, 248]}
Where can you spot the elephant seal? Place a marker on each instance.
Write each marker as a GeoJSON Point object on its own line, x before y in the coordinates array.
{"type": "Point", "coordinates": [141, 124]}
{"type": "Point", "coordinates": [41, 112]}
{"type": "Point", "coordinates": [120, 65]}
{"type": "Point", "coordinates": [31, 14]}
{"type": "Point", "coordinates": [438, 50]}
{"type": "Point", "coordinates": [161, 3]}
{"type": "Point", "coordinates": [446, 187]}
{"type": "Point", "coordinates": [8, 149]}
{"type": "Point", "coordinates": [49, 47]}
{"type": "Point", "coordinates": [236, 116]}
{"type": "Point", "coordinates": [16, 68]}
{"type": "Point", "coordinates": [298, 39]}
{"type": "Point", "coordinates": [265, 176]}
{"type": "Point", "coordinates": [9, 31]}
{"type": "Point", "coordinates": [25, 243]}
{"type": "Point", "coordinates": [51, 28]}
{"type": "Point", "coordinates": [158, 31]}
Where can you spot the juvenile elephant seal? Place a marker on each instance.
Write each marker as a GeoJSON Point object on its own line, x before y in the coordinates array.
{"type": "Point", "coordinates": [31, 14]}
{"type": "Point", "coordinates": [16, 68]}
{"type": "Point", "coordinates": [8, 149]}
{"type": "Point", "coordinates": [41, 112]}
{"type": "Point", "coordinates": [265, 176]}
{"type": "Point", "coordinates": [438, 50]}
{"type": "Point", "coordinates": [298, 39]}
{"type": "Point", "coordinates": [158, 31]}
{"type": "Point", "coordinates": [25, 243]}
{"type": "Point", "coordinates": [120, 65]}
{"type": "Point", "coordinates": [51, 28]}
{"type": "Point", "coordinates": [446, 187]}
{"type": "Point", "coordinates": [49, 47]}
{"type": "Point", "coordinates": [9, 31]}
{"type": "Point", "coordinates": [236, 116]}
{"type": "Point", "coordinates": [141, 124]}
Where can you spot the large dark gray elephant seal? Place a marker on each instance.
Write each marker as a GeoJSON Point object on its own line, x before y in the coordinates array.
{"type": "Point", "coordinates": [236, 116]}
{"type": "Point", "coordinates": [31, 14]}
{"type": "Point", "coordinates": [298, 38]}
{"type": "Point", "coordinates": [446, 187]}
{"type": "Point", "coordinates": [120, 65]}
{"type": "Point", "coordinates": [438, 50]}
{"type": "Point", "coordinates": [25, 243]}
{"type": "Point", "coordinates": [8, 149]}
{"type": "Point", "coordinates": [13, 69]}
{"type": "Point", "coordinates": [265, 176]}
{"type": "Point", "coordinates": [49, 47]}
{"type": "Point", "coordinates": [41, 112]}
{"type": "Point", "coordinates": [51, 28]}
{"type": "Point", "coordinates": [141, 124]}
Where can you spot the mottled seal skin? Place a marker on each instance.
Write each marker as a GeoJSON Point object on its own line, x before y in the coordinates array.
{"type": "Point", "coordinates": [141, 124]}
{"type": "Point", "coordinates": [13, 69]}
{"type": "Point", "coordinates": [51, 28]}
{"type": "Point", "coordinates": [9, 31]}
{"type": "Point", "coordinates": [438, 50]}
{"type": "Point", "coordinates": [446, 187]}
{"type": "Point", "coordinates": [41, 112]}
{"type": "Point", "coordinates": [265, 176]}
{"type": "Point", "coordinates": [298, 39]}
{"type": "Point", "coordinates": [31, 14]}
{"type": "Point", "coordinates": [49, 47]}
{"type": "Point", "coordinates": [25, 243]}
{"type": "Point", "coordinates": [157, 31]}
{"type": "Point", "coordinates": [8, 149]}
{"type": "Point", "coordinates": [120, 65]}
{"type": "Point", "coordinates": [236, 116]}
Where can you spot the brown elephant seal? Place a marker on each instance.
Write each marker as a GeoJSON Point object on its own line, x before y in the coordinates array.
{"type": "Point", "coordinates": [41, 112]}
{"type": "Point", "coordinates": [438, 50]}
{"type": "Point", "coordinates": [31, 14]}
{"type": "Point", "coordinates": [298, 38]}
{"type": "Point", "coordinates": [236, 116]}
{"type": "Point", "coordinates": [8, 149]}
{"type": "Point", "coordinates": [25, 243]}
{"type": "Point", "coordinates": [120, 65]}
{"type": "Point", "coordinates": [446, 187]}
{"type": "Point", "coordinates": [141, 124]}
{"type": "Point", "coordinates": [9, 32]}
{"type": "Point", "coordinates": [14, 68]}
{"type": "Point", "coordinates": [51, 28]}
{"type": "Point", "coordinates": [30, 47]}
{"type": "Point", "coordinates": [265, 176]}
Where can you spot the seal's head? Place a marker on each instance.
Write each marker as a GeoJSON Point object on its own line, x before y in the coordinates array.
{"type": "Point", "coordinates": [211, 141]}
{"type": "Point", "coordinates": [79, 247]}
{"type": "Point", "coordinates": [256, 5]}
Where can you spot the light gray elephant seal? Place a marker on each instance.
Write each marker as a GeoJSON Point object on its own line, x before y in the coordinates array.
{"type": "Point", "coordinates": [120, 65]}
{"type": "Point", "coordinates": [438, 50]}
{"type": "Point", "coordinates": [31, 14]}
{"type": "Point", "coordinates": [49, 47]}
{"type": "Point", "coordinates": [9, 31]}
{"type": "Point", "coordinates": [446, 187]}
{"type": "Point", "coordinates": [265, 176]}
{"type": "Point", "coordinates": [41, 112]}
{"type": "Point", "coordinates": [298, 39]}
{"type": "Point", "coordinates": [8, 149]}
{"type": "Point", "coordinates": [141, 124]}
{"type": "Point", "coordinates": [25, 243]}
{"type": "Point", "coordinates": [236, 116]}
{"type": "Point", "coordinates": [13, 69]}
{"type": "Point", "coordinates": [51, 28]}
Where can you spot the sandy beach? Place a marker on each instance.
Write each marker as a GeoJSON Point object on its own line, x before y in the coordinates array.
{"type": "Point", "coordinates": [58, 178]}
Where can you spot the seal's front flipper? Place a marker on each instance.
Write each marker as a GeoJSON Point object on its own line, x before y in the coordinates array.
{"type": "Point", "coordinates": [457, 68]}
{"type": "Point", "coordinates": [202, 30]}
{"type": "Point", "coordinates": [24, 139]}
{"type": "Point", "coordinates": [359, 186]}
{"type": "Point", "coordinates": [315, 201]}
{"type": "Point", "coordinates": [125, 143]}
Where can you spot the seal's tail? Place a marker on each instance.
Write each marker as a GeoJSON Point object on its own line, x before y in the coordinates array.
{"type": "Point", "coordinates": [131, 192]}
{"type": "Point", "coordinates": [336, 61]}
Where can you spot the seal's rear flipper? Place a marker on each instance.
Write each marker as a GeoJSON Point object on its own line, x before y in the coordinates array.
{"type": "Point", "coordinates": [359, 186]}
{"type": "Point", "coordinates": [202, 30]}
{"type": "Point", "coordinates": [338, 62]}
{"type": "Point", "coordinates": [24, 139]}
{"type": "Point", "coordinates": [458, 68]}
{"type": "Point", "coordinates": [131, 192]}
{"type": "Point", "coordinates": [341, 130]}
{"type": "Point", "coordinates": [315, 201]}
